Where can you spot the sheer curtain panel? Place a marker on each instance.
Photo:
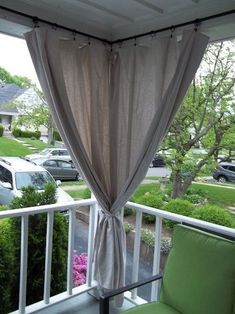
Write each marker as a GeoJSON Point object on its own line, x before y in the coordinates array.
{"type": "Point", "coordinates": [112, 109]}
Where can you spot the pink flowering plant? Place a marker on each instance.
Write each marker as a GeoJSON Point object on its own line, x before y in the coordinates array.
{"type": "Point", "coordinates": [79, 268]}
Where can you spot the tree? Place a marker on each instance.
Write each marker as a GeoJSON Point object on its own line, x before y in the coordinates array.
{"type": "Point", "coordinates": [205, 118]}
{"type": "Point", "coordinates": [7, 78]}
{"type": "Point", "coordinates": [35, 115]}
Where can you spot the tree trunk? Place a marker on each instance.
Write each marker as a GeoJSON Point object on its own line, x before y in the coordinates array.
{"type": "Point", "coordinates": [177, 185]}
{"type": "Point", "coordinates": [187, 183]}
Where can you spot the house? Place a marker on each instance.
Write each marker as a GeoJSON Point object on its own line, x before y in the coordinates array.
{"type": "Point", "coordinates": [11, 98]}
{"type": "Point", "coordinates": [8, 111]}
{"type": "Point", "coordinates": [101, 29]}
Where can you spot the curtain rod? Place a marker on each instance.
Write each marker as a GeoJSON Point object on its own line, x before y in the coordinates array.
{"type": "Point", "coordinates": [36, 19]}
{"type": "Point", "coordinates": [196, 22]}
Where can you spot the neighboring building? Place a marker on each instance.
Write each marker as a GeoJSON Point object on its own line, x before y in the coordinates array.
{"type": "Point", "coordinates": [8, 94]}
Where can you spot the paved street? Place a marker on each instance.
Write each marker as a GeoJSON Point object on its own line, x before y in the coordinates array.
{"type": "Point", "coordinates": [158, 172]}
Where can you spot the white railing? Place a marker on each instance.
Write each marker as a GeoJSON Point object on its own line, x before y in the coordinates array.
{"type": "Point", "coordinates": [72, 207]}
{"type": "Point", "coordinates": [50, 210]}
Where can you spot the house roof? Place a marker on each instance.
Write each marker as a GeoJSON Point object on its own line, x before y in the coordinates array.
{"type": "Point", "coordinates": [8, 93]}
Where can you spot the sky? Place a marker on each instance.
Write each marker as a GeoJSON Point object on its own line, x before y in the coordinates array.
{"type": "Point", "coordinates": [15, 57]}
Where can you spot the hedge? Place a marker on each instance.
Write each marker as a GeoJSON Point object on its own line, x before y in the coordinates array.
{"type": "Point", "coordinates": [1, 130]}
{"type": "Point", "coordinates": [214, 214]}
{"type": "Point", "coordinates": [28, 134]}
{"type": "Point", "coordinates": [56, 135]}
{"type": "Point", "coordinates": [10, 250]}
{"type": "Point", "coordinates": [7, 279]}
{"type": "Point", "coordinates": [152, 200]}
{"type": "Point", "coordinates": [178, 206]}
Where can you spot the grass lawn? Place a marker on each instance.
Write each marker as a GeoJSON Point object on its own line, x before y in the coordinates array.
{"type": "Point", "coordinates": [144, 188]}
{"type": "Point", "coordinates": [79, 194]}
{"type": "Point", "coordinates": [40, 145]}
{"type": "Point", "coordinates": [9, 147]}
{"type": "Point", "coordinates": [217, 195]}
{"type": "Point", "coordinates": [69, 183]}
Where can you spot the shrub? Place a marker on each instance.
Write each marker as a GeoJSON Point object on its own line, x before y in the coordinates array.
{"type": "Point", "coordinates": [37, 243]}
{"type": "Point", "coordinates": [1, 130]}
{"type": "Point", "coordinates": [151, 200]}
{"type": "Point", "coordinates": [29, 134]}
{"type": "Point", "coordinates": [127, 227]}
{"type": "Point", "coordinates": [128, 211]}
{"type": "Point", "coordinates": [3, 207]}
{"type": "Point", "coordinates": [56, 135]}
{"type": "Point", "coordinates": [214, 214]}
{"type": "Point", "coordinates": [147, 237]}
{"type": "Point", "coordinates": [194, 198]}
{"type": "Point", "coordinates": [16, 132]}
{"type": "Point", "coordinates": [79, 269]}
{"type": "Point", "coordinates": [178, 206]}
{"type": "Point", "coordinates": [6, 266]}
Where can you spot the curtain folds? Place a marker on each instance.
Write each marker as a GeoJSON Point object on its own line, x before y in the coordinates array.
{"type": "Point", "coordinates": [112, 109]}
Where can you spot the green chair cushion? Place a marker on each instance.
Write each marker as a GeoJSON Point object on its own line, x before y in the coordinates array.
{"type": "Point", "coordinates": [152, 308]}
{"type": "Point", "coordinates": [199, 275]}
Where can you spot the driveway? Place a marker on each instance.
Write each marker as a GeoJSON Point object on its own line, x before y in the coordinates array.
{"type": "Point", "coordinates": [158, 172]}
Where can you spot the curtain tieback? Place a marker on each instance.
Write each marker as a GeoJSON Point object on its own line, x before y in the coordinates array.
{"type": "Point", "coordinates": [107, 214]}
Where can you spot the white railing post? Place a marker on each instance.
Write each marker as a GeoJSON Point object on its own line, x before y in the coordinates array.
{"type": "Point", "coordinates": [91, 239]}
{"type": "Point", "coordinates": [23, 263]}
{"type": "Point", "coordinates": [136, 254]}
{"type": "Point", "coordinates": [70, 251]}
{"type": "Point", "coordinates": [48, 257]}
{"type": "Point", "coordinates": [156, 258]}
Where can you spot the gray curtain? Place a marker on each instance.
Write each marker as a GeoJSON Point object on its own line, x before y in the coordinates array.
{"type": "Point", "coordinates": [112, 109]}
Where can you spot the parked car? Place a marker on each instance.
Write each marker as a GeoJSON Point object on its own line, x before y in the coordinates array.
{"type": "Point", "coordinates": [59, 169]}
{"type": "Point", "coordinates": [16, 173]}
{"type": "Point", "coordinates": [158, 161]}
{"type": "Point", "coordinates": [51, 152]}
{"type": "Point", "coordinates": [225, 171]}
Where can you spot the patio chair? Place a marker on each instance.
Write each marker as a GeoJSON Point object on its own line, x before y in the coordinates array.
{"type": "Point", "coordinates": [199, 277]}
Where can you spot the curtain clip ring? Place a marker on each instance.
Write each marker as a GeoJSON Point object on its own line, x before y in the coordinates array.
{"type": "Point", "coordinates": [35, 21]}
{"type": "Point", "coordinates": [120, 44]}
{"type": "Point", "coordinates": [172, 30]}
{"type": "Point", "coordinates": [74, 35]}
{"type": "Point", "coordinates": [196, 25]}
{"type": "Point", "coordinates": [54, 26]}
{"type": "Point", "coordinates": [153, 35]}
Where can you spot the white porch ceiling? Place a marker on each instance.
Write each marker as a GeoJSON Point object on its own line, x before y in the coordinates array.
{"type": "Point", "coordinates": [114, 19]}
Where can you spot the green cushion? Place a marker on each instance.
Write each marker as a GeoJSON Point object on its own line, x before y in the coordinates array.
{"type": "Point", "coordinates": [152, 308]}
{"type": "Point", "coordinates": [199, 276]}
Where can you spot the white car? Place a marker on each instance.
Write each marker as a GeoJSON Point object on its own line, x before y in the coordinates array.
{"type": "Point", "coordinates": [16, 173]}
{"type": "Point", "coordinates": [51, 152]}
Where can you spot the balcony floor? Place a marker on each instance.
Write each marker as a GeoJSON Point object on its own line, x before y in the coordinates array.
{"type": "Point", "coordinates": [82, 304]}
